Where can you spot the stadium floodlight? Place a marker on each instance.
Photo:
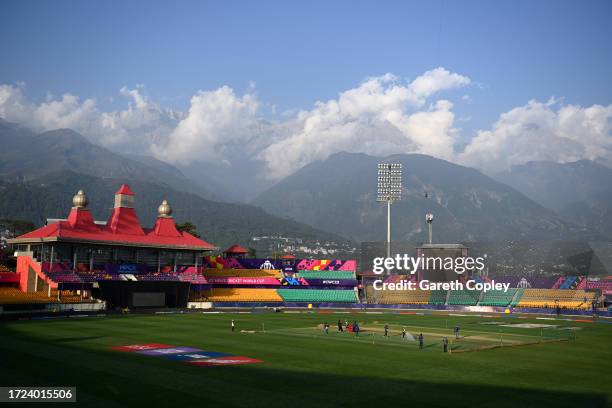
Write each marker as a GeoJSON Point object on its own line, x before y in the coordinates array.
{"type": "Point", "coordinates": [389, 190]}
{"type": "Point", "coordinates": [429, 219]}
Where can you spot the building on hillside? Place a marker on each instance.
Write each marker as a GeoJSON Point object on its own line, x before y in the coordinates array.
{"type": "Point", "coordinates": [236, 251]}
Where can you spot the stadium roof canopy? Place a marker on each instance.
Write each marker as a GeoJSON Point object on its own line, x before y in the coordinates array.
{"type": "Point", "coordinates": [122, 228]}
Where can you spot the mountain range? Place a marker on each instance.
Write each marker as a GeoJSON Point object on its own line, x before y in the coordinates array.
{"type": "Point", "coordinates": [39, 174]}
{"type": "Point", "coordinates": [580, 192]}
{"type": "Point", "coordinates": [332, 200]}
{"type": "Point", "coordinates": [338, 194]}
{"type": "Point", "coordinates": [26, 155]}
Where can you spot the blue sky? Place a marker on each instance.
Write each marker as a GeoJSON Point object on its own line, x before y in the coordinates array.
{"type": "Point", "coordinates": [298, 53]}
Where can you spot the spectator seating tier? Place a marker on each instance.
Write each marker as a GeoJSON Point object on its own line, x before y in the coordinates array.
{"type": "Point", "coordinates": [326, 274]}
{"type": "Point", "coordinates": [239, 295]}
{"type": "Point", "coordinates": [497, 297]}
{"type": "Point", "coordinates": [551, 298]}
{"type": "Point", "coordinates": [438, 297]}
{"type": "Point", "coordinates": [12, 296]}
{"type": "Point", "coordinates": [317, 295]}
{"type": "Point", "coordinates": [407, 297]}
{"type": "Point", "coordinates": [463, 297]}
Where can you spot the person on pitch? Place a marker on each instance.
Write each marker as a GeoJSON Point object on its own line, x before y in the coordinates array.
{"type": "Point", "coordinates": [421, 341]}
{"type": "Point", "coordinates": [386, 330]}
{"type": "Point", "coordinates": [340, 329]}
{"type": "Point", "coordinates": [403, 332]}
{"type": "Point", "coordinates": [233, 325]}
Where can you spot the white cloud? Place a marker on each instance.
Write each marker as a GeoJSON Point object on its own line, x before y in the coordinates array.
{"type": "Point", "coordinates": [132, 130]}
{"type": "Point", "coordinates": [139, 126]}
{"type": "Point", "coordinates": [381, 116]}
{"type": "Point", "coordinates": [51, 114]}
{"type": "Point", "coordinates": [13, 106]}
{"type": "Point", "coordinates": [436, 80]}
{"type": "Point", "coordinates": [217, 122]}
{"type": "Point", "coordinates": [542, 131]}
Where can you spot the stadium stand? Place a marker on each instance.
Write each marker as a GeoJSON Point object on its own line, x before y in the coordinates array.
{"type": "Point", "coordinates": [409, 297]}
{"type": "Point", "coordinates": [11, 295]}
{"type": "Point", "coordinates": [237, 295]}
{"type": "Point", "coordinates": [438, 297]}
{"type": "Point", "coordinates": [604, 285]}
{"type": "Point", "coordinates": [497, 298]}
{"type": "Point", "coordinates": [317, 295]}
{"type": "Point", "coordinates": [551, 298]}
{"type": "Point", "coordinates": [326, 274]}
{"type": "Point", "coordinates": [193, 278]}
{"type": "Point", "coordinates": [517, 298]}
{"type": "Point", "coordinates": [463, 297]}
{"type": "Point", "coordinates": [9, 277]}
{"type": "Point", "coordinates": [570, 282]}
{"type": "Point", "coordinates": [543, 282]}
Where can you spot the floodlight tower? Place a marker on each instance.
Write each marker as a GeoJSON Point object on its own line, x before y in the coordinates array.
{"type": "Point", "coordinates": [429, 219]}
{"type": "Point", "coordinates": [389, 190]}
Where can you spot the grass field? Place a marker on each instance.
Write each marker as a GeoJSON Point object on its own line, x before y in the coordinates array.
{"type": "Point", "coordinates": [565, 365]}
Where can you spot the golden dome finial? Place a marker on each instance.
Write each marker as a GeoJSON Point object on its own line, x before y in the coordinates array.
{"type": "Point", "coordinates": [80, 200]}
{"type": "Point", "coordinates": [164, 210]}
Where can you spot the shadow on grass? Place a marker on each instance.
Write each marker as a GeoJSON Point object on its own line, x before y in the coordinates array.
{"type": "Point", "coordinates": [69, 339]}
{"type": "Point", "coordinates": [110, 379]}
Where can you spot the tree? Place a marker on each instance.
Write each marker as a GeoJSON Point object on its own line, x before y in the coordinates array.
{"type": "Point", "coordinates": [18, 227]}
{"type": "Point", "coordinates": [189, 228]}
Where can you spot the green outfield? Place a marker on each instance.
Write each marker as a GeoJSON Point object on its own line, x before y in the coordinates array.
{"type": "Point", "coordinates": [497, 361]}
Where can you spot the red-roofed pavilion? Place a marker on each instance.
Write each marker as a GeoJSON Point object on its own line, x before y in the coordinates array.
{"type": "Point", "coordinates": [81, 243]}
{"type": "Point", "coordinates": [236, 251]}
